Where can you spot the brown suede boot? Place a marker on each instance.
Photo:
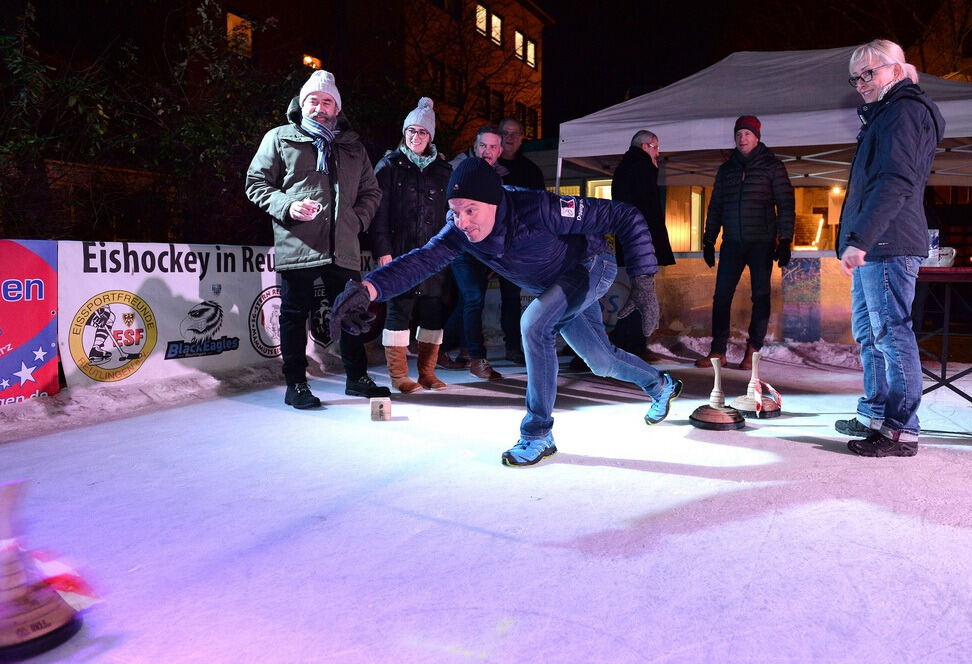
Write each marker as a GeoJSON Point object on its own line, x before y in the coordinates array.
{"type": "Point", "coordinates": [398, 370]}
{"type": "Point", "coordinates": [427, 354]}
{"type": "Point", "coordinates": [747, 361]}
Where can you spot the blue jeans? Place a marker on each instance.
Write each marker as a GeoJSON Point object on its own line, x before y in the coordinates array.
{"type": "Point", "coordinates": [465, 325]}
{"type": "Point", "coordinates": [570, 307]}
{"type": "Point", "coordinates": [881, 295]}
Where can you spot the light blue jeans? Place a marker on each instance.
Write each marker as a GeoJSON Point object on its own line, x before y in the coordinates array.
{"type": "Point", "coordinates": [570, 307]}
{"type": "Point", "coordinates": [881, 295]}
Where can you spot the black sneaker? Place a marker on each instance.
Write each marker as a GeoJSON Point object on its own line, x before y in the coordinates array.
{"type": "Point", "coordinates": [365, 387]}
{"type": "Point", "coordinates": [852, 427]}
{"type": "Point", "coordinates": [300, 396]}
{"type": "Point", "coordinates": [879, 445]}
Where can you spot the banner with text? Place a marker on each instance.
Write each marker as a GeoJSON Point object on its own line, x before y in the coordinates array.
{"type": "Point", "coordinates": [143, 311]}
{"type": "Point", "coordinates": [28, 320]}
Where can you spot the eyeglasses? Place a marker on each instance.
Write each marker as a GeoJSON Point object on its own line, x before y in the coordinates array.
{"type": "Point", "coordinates": [866, 75]}
{"type": "Point", "coordinates": [652, 146]}
{"type": "Point", "coordinates": [512, 134]}
{"type": "Point", "coordinates": [412, 132]}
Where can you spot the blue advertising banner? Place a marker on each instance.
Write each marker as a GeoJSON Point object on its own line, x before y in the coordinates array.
{"type": "Point", "coordinates": [28, 320]}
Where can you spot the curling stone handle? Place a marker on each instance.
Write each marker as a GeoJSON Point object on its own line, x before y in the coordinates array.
{"type": "Point", "coordinates": [754, 381]}
{"type": "Point", "coordinates": [717, 399]}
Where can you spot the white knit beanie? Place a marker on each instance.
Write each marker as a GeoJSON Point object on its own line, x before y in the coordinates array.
{"type": "Point", "coordinates": [321, 81]}
{"type": "Point", "coordinates": [423, 116]}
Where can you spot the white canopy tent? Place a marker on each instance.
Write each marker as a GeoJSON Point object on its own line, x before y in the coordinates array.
{"type": "Point", "coordinates": [807, 110]}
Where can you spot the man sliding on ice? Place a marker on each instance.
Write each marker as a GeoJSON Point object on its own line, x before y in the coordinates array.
{"type": "Point", "coordinates": [552, 247]}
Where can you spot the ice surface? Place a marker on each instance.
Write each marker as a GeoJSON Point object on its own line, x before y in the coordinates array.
{"type": "Point", "coordinates": [220, 525]}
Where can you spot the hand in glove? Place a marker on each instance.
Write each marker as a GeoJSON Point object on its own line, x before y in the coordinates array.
{"type": "Point", "coordinates": [708, 254]}
{"type": "Point", "coordinates": [782, 255]}
{"type": "Point", "coordinates": [350, 310]}
{"type": "Point", "coordinates": [642, 298]}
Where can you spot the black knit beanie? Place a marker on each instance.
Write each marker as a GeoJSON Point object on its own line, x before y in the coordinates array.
{"type": "Point", "coordinates": [476, 180]}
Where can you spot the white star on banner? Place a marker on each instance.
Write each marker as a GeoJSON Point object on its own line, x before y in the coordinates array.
{"type": "Point", "coordinates": [4, 384]}
{"type": "Point", "coordinates": [40, 354]}
{"type": "Point", "coordinates": [26, 373]}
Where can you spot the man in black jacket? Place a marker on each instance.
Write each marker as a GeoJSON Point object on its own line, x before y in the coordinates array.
{"type": "Point", "coordinates": [636, 182]}
{"type": "Point", "coordinates": [752, 204]}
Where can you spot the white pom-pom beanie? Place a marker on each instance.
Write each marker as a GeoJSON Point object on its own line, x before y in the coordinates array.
{"type": "Point", "coordinates": [423, 116]}
{"type": "Point", "coordinates": [321, 81]}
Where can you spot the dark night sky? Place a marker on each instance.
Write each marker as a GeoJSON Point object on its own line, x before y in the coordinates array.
{"type": "Point", "coordinates": [601, 53]}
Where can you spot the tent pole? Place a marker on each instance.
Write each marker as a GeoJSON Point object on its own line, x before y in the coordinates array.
{"type": "Point", "coordinates": [557, 181]}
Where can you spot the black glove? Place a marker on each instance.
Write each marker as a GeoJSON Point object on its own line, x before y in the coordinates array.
{"type": "Point", "coordinates": [782, 255]}
{"type": "Point", "coordinates": [642, 298]}
{"type": "Point", "coordinates": [708, 254]}
{"type": "Point", "coordinates": [350, 310]}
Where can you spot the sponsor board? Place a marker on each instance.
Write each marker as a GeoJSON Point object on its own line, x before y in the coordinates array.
{"type": "Point", "coordinates": [28, 320]}
{"type": "Point", "coordinates": [143, 311]}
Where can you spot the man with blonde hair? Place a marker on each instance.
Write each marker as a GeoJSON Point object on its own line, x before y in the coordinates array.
{"type": "Point", "coordinates": [882, 240]}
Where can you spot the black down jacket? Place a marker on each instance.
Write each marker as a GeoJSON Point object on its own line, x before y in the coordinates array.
{"type": "Point", "coordinates": [752, 200]}
{"type": "Point", "coordinates": [413, 209]}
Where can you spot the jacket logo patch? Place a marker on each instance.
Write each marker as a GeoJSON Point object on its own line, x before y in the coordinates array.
{"type": "Point", "coordinates": [568, 207]}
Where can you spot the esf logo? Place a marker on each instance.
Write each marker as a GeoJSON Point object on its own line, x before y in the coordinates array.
{"type": "Point", "coordinates": [111, 335]}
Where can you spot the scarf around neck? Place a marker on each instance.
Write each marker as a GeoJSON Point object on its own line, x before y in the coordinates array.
{"type": "Point", "coordinates": [420, 160]}
{"type": "Point", "coordinates": [322, 141]}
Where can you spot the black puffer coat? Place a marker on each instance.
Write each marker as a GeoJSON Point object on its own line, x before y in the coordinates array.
{"type": "Point", "coordinates": [752, 200]}
{"type": "Point", "coordinates": [413, 209]}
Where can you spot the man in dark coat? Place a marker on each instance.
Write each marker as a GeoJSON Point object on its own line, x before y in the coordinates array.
{"type": "Point", "coordinates": [296, 177]}
{"type": "Point", "coordinates": [883, 239]}
{"type": "Point", "coordinates": [752, 205]}
{"type": "Point", "coordinates": [636, 182]}
{"type": "Point", "coordinates": [554, 248]}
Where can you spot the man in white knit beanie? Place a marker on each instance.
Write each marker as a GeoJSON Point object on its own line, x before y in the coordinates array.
{"type": "Point", "coordinates": [295, 177]}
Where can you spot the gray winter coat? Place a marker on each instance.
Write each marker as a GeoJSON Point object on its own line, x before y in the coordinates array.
{"type": "Point", "coordinates": [284, 170]}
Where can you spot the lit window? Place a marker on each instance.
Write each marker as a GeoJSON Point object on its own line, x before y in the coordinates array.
{"type": "Point", "coordinates": [496, 29]}
{"type": "Point", "coordinates": [531, 54]}
{"type": "Point", "coordinates": [312, 62]}
{"type": "Point", "coordinates": [239, 34]}
{"type": "Point", "coordinates": [518, 44]}
{"type": "Point", "coordinates": [481, 14]}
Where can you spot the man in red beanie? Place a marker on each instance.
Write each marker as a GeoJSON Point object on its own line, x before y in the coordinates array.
{"type": "Point", "coordinates": [752, 204]}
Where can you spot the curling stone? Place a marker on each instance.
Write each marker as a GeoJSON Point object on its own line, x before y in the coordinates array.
{"type": "Point", "coordinates": [755, 403]}
{"type": "Point", "coordinates": [33, 616]}
{"type": "Point", "coordinates": [716, 415]}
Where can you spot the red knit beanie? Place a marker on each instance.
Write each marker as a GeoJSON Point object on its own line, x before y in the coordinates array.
{"type": "Point", "coordinates": [750, 122]}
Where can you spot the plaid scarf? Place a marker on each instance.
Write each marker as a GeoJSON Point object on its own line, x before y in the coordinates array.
{"type": "Point", "coordinates": [322, 141]}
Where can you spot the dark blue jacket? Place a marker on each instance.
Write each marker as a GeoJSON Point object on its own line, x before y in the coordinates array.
{"type": "Point", "coordinates": [537, 237]}
{"type": "Point", "coordinates": [883, 211]}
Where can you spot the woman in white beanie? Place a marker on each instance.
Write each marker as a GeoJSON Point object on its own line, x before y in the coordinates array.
{"type": "Point", "coordinates": [413, 182]}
